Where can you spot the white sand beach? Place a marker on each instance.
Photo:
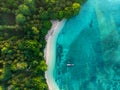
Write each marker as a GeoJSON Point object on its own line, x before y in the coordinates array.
{"type": "Point", "coordinates": [50, 52]}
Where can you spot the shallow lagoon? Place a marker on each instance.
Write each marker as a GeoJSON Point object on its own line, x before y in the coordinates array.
{"type": "Point", "coordinates": [91, 42]}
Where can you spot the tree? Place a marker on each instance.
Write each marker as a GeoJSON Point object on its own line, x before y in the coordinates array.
{"type": "Point", "coordinates": [20, 18]}
{"type": "Point", "coordinates": [4, 50]}
{"type": "Point", "coordinates": [22, 65]}
{"type": "Point", "coordinates": [44, 15]}
{"type": "Point", "coordinates": [43, 65]}
{"type": "Point", "coordinates": [35, 30]}
{"type": "Point", "coordinates": [11, 3]}
{"type": "Point", "coordinates": [68, 12]}
{"type": "Point", "coordinates": [39, 83]}
{"type": "Point", "coordinates": [76, 8]}
{"type": "Point", "coordinates": [24, 9]}
{"type": "Point", "coordinates": [60, 14]}
{"type": "Point", "coordinates": [30, 4]}
{"type": "Point", "coordinates": [47, 24]}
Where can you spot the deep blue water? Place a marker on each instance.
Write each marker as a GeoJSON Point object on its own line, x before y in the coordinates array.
{"type": "Point", "coordinates": [91, 42]}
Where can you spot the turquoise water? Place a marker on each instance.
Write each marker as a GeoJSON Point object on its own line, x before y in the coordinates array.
{"type": "Point", "coordinates": [90, 43]}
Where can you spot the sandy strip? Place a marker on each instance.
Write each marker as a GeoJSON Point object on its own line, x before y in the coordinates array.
{"type": "Point", "coordinates": [50, 52]}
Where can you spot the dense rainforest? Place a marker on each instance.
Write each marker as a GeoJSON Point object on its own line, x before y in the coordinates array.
{"type": "Point", "coordinates": [23, 26]}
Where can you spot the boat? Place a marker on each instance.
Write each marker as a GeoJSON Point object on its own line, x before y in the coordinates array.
{"type": "Point", "coordinates": [70, 64]}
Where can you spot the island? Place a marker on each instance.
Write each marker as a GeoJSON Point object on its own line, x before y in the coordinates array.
{"type": "Point", "coordinates": [24, 25]}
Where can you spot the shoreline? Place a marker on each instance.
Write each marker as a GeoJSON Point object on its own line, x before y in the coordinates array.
{"type": "Point", "coordinates": [50, 52]}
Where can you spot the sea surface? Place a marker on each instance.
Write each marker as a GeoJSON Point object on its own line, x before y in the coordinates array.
{"type": "Point", "coordinates": [88, 48]}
